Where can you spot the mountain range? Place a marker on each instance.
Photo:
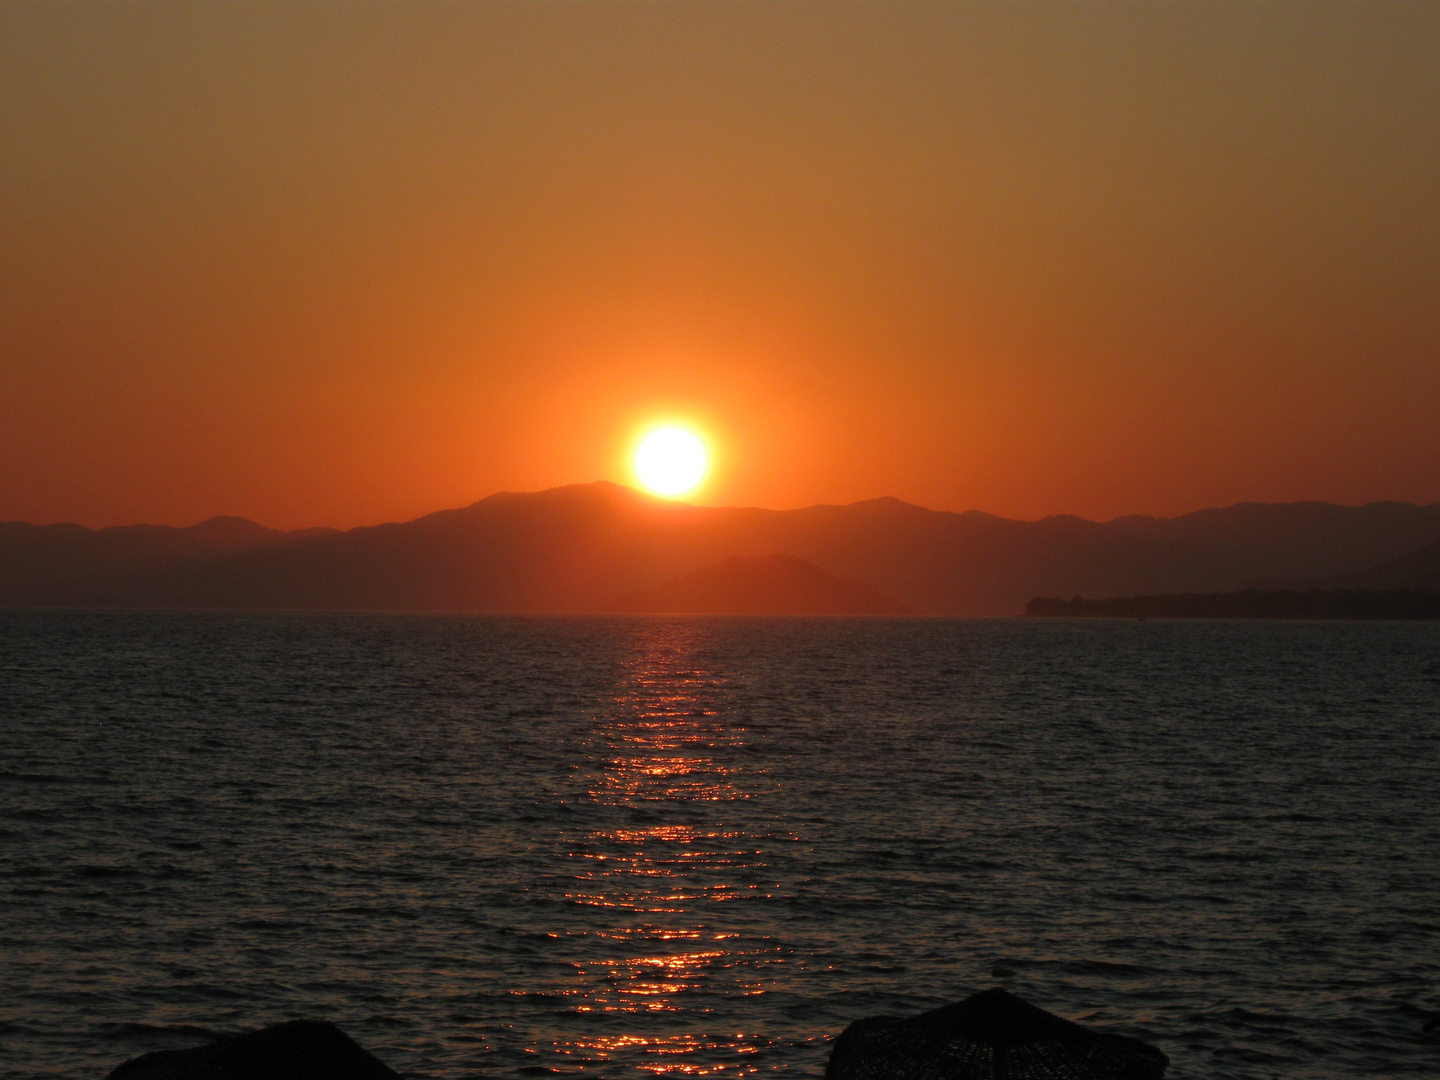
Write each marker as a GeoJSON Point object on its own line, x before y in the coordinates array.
{"type": "Point", "coordinates": [579, 548]}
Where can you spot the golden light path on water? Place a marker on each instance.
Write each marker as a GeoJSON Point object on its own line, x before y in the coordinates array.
{"type": "Point", "coordinates": [655, 885]}
{"type": "Point", "coordinates": [634, 849]}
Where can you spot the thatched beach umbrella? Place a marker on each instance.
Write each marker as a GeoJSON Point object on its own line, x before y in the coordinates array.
{"type": "Point", "coordinates": [992, 1035]}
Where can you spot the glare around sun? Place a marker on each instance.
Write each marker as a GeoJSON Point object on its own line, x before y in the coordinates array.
{"type": "Point", "coordinates": [671, 461]}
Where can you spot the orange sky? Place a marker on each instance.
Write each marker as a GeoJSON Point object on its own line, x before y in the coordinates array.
{"type": "Point", "coordinates": [320, 263]}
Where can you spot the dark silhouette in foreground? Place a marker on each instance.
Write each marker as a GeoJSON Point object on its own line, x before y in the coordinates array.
{"type": "Point", "coordinates": [992, 1035]}
{"type": "Point", "coordinates": [1252, 604]}
{"type": "Point", "coordinates": [765, 585]}
{"type": "Point", "coordinates": [298, 1050]}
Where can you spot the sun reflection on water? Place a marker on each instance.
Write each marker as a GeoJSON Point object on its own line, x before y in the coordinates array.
{"type": "Point", "coordinates": [662, 869]}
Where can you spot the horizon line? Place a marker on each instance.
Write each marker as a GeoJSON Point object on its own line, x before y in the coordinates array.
{"type": "Point", "coordinates": [665, 500]}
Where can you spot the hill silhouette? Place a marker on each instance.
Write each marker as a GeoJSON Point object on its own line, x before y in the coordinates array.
{"type": "Point", "coordinates": [68, 565]}
{"type": "Point", "coordinates": [1413, 570]}
{"type": "Point", "coordinates": [576, 548]}
{"type": "Point", "coordinates": [1251, 604]}
{"type": "Point", "coordinates": [762, 585]}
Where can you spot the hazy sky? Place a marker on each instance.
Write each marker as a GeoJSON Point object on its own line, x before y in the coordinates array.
{"type": "Point", "coordinates": [338, 263]}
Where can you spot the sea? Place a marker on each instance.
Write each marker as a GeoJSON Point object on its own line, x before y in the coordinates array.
{"type": "Point", "coordinates": [637, 847]}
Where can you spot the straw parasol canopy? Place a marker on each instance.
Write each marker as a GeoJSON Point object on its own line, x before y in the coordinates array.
{"type": "Point", "coordinates": [992, 1035]}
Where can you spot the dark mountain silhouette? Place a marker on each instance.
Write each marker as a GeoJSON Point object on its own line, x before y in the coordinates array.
{"type": "Point", "coordinates": [574, 549]}
{"type": "Point", "coordinates": [70, 565]}
{"type": "Point", "coordinates": [1413, 570]}
{"type": "Point", "coordinates": [1251, 604]}
{"type": "Point", "coordinates": [1404, 587]}
{"type": "Point", "coordinates": [762, 585]}
{"type": "Point", "coordinates": [1314, 533]}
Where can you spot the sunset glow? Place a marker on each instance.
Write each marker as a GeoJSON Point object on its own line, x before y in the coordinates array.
{"type": "Point", "coordinates": [958, 254]}
{"type": "Point", "coordinates": [627, 540]}
{"type": "Point", "coordinates": [671, 461]}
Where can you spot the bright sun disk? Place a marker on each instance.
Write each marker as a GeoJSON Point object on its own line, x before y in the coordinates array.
{"type": "Point", "coordinates": [671, 460]}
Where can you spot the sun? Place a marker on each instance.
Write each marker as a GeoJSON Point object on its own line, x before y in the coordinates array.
{"type": "Point", "coordinates": [671, 460]}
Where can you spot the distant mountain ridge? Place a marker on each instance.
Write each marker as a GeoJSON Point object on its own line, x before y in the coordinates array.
{"type": "Point", "coordinates": [1392, 604]}
{"type": "Point", "coordinates": [50, 565]}
{"type": "Point", "coordinates": [1413, 570]}
{"type": "Point", "coordinates": [574, 549]}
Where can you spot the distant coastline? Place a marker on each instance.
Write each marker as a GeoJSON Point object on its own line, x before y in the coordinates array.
{"type": "Point", "coordinates": [1250, 604]}
{"type": "Point", "coordinates": [585, 547]}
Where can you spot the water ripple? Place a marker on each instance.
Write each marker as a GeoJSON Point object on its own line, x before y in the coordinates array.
{"type": "Point", "coordinates": [637, 847]}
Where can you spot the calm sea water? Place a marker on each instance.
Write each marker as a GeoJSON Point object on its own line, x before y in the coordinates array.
{"type": "Point", "coordinates": [626, 847]}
